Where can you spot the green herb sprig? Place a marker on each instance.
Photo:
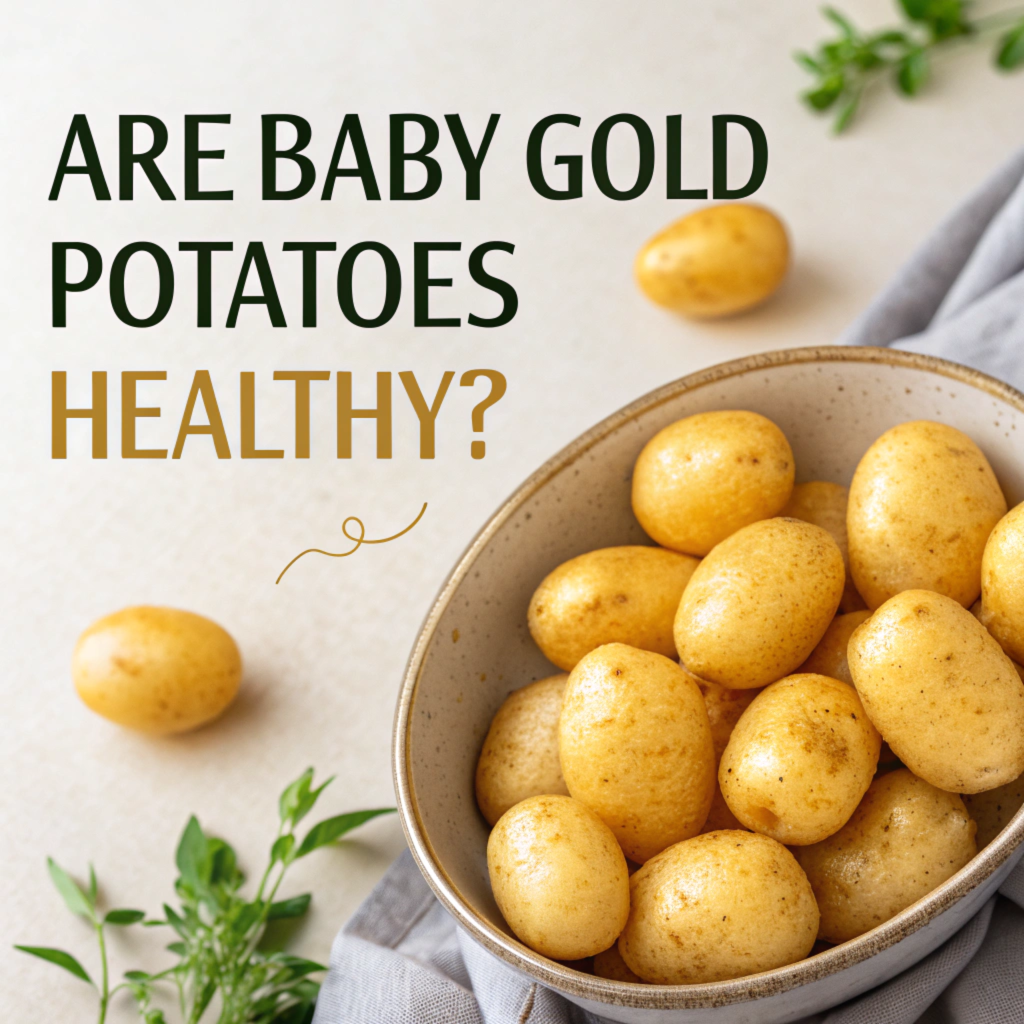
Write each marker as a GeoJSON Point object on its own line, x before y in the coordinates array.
{"type": "Point", "coordinates": [845, 66]}
{"type": "Point", "coordinates": [221, 957]}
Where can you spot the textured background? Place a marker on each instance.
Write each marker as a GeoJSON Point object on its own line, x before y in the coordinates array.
{"type": "Point", "coordinates": [325, 650]}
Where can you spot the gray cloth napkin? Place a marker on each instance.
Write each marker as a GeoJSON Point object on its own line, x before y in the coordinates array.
{"type": "Point", "coordinates": [961, 295]}
{"type": "Point", "coordinates": [402, 960]}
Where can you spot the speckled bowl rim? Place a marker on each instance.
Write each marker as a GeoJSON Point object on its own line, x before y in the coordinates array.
{"type": "Point", "coordinates": [677, 997]}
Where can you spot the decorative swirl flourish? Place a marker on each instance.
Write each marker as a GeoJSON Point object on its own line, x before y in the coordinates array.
{"type": "Point", "coordinates": [357, 542]}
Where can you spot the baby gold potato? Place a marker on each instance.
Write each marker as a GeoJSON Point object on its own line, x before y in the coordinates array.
{"type": "Point", "coordinates": [635, 746]}
{"type": "Point", "coordinates": [623, 595]}
{"type": "Point", "coordinates": [702, 478]}
{"type": "Point", "coordinates": [715, 261]}
{"type": "Point", "coordinates": [825, 504]}
{"type": "Point", "coordinates": [905, 839]}
{"type": "Point", "coordinates": [976, 612]}
{"type": "Point", "coordinates": [941, 691]}
{"type": "Point", "coordinates": [720, 816]}
{"type": "Point", "coordinates": [610, 964]}
{"type": "Point", "coordinates": [724, 709]}
{"type": "Point", "coordinates": [558, 877]}
{"type": "Point", "coordinates": [923, 502]}
{"type": "Point", "coordinates": [718, 906]}
{"type": "Point", "coordinates": [800, 759]}
{"type": "Point", "coordinates": [756, 607]}
{"type": "Point", "coordinates": [158, 670]}
{"type": "Point", "coordinates": [520, 753]}
{"type": "Point", "coordinates": [1002, 583]}
{"type": "Point", "coordinates": [993, 809]}
{"type": "Point", "coordinates": [829, 657]}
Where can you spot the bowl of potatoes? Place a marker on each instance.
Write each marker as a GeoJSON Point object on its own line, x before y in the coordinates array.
{"type": "Point", "coordinates": [721, 716]}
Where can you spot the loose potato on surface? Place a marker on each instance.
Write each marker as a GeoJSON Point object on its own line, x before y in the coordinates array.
{"type": "Point", "coordinates": [993, 809]}
{"type": "Point", "coordinates": [800, 759]}
{"type": "Point", "coordinates": [829, 657]}
{"type": "Point", "coordinates": [718, 906]}
{"type": "Point", "coordinates": [824, 504]}
{"type": "Point", "coordinates": [520, 754]}
{"type": "Point", "coordinates": [941, 691]}
{"type": "Point", "coordinates": [757, 606]}
{"type": "Point", "coordinates": [715, 261]}
{"type": "Point", "coordinates": [625, 595]}
{"type": "Point", "coordinates": [558, 877]}
{"type": "Point", "coordinates": [923, 502]}
{"type": "Point", "coordinates": [1002, 583]}
{"type": "Point", "coordinates": [158, 670]}
{"type": "Point", "coordinates": [610, 964]}
{"type": "Point", "coordinates": [905, 839]}
{"type": "Point", "coordinates": [635, 746]}
{"type": "Point", "coordinates": [704, 477]}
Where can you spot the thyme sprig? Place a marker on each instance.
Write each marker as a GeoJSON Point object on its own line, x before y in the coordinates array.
{"type": "Point", "coordinates": [844, 66]}
{"type": "Point", "coordinates": [221, 962]}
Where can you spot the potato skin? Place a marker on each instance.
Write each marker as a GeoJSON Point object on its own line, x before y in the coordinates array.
{"type": "Point", "coordinates": [941, 691]}
{"type": "Point", "coordinates": [825, 504]}
{"type": "Point", "coordinates": [724, 709]}
{"type": "Point", "coordinates": [157, 670]}
{"type": "Point", "coordinates": [800, 759]}
{"type": "Point", "coordinates": [1002, 583]}
{"type": "Point", "coordinates": [757, 606]}
{"type": "Point", "coordinates": [923, 502]}
{"type": "Point", "coordinates": [715, 261]}
{"type": "Point", "coordinates": [993, 809]}
{"type": "Point", "coordinates": [558, 877]}
{"type": "Point", "coordinates": [702, 478]}
{"type": "Point", "coordinates": [625, 595]}
{"type": "Point", "coordinates": [720, 816]}
{"type": "Point", "coordinates": [905, 839]}
{"type": "Point", "coordinates": [718, 906]}
{"type": "Point", "coordinates": [519, 757]}
{"type": "Point", "coordinates": [829, 657]}
{"type": "Point", "coordinates": [635, 746]}
{"type": "Point", "coordinates": [610, 964]}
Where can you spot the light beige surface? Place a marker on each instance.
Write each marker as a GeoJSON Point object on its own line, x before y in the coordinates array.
{"type": "Point", "coordinates": [325, 649]}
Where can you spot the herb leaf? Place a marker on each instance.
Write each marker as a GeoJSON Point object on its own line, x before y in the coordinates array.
{"type": "Point", "coordinates": [1010, 54]}
{"type": "Point", "coordinates": [281, 851]}
{"type": "Point", "coordinates": [298, 799]}
{"type": "Point", "coordinates": [296, 906]}
{"type": "Point", "coordinates": [912, 72]}
{"type": "Point", "coordinates": [191, 852]}
{"type": "Point", "coordinates": [334, 828]}
{"type": "Point", "coordinates": [847, 111]}
{"type": "Point", "coordinates": [122, 917]}
{"type": "Point", "coordinates": [58, 957]}
{"type": "Point", "coordinates": [76, 900]}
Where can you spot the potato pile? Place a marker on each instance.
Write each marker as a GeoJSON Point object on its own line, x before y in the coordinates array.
{"type": "Point", "coordinates": [782, 725]}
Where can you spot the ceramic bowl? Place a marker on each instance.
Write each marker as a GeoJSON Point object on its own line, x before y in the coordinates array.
{"type": "Point", "coordinates": [475, 648]}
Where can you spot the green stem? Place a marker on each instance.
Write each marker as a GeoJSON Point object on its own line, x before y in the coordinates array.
{"type": "Point", "coordinates": [266, 874]}
{"type": "Point", "coordinates": [105, 982]}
